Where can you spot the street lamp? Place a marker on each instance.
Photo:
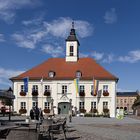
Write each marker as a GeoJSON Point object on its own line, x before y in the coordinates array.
{"type": "Point", "coordinates": [10, 92]}
{"type": "Point", "coordinates": [52, 109]}
{"type": "Point", "coordinates": [70, 111]}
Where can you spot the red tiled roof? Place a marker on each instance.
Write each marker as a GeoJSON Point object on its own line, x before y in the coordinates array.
{"type": "Point", "coordinates": [67, 70]}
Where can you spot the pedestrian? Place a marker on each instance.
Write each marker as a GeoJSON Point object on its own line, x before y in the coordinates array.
{"type": "Point", "coordinates": [32, 114]}
{"type": "Point", "coordinates": [41, 115]}
{"type": "Point", "coordinates": [37, 113]}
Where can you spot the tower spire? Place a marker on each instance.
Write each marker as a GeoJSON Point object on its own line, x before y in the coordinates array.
{"type": "Point", "coordinates": [73, 25]}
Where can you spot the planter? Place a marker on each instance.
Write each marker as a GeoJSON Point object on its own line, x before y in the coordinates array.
{"type": "Point", "coordinates": [46, 110]}
{"type": "Point", "coordinates": [93, 110]}
{"type": "Point", "coordinates": [82, 93]}
{"type": "Point", "coordinates": [93, 94]}
{"type": "Point", "coordinates": [22, 111]}
{"type": "Point", "coordinates": [82, 110]}
{"type": "Point", "coordinates": [34, 93]}
{"type": "Point", "coordinates": [106, 112]}
{"type": "Point", "coordinates": [47, 93]}
{"type": "Point", "coordinates": [105, 93]}
{"type": "Point", "coordinates": [22, 93]}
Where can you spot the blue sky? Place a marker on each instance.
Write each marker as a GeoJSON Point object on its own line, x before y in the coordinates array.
{"type": "Point", "coordinates": [31, 31]}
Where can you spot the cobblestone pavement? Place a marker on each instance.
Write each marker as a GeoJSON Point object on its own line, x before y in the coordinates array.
{"type": "Point", "coordinates": [90, 129]}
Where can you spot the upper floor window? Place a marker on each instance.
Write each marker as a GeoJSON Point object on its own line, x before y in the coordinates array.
{"type": "Point", "coordinates": [64, 89]}
{"type": "Point", "coordinates": [51, 74]}
{"type": "Point", "coordinates": [78, 74]}
{"type": "Point", "coordinates": [23, 105]}
{"type": "Point", "coordinates": [35, 87]}
{"type": "Point", "coordinates": [82, 88]}
{"type": "Point", "coordinates": [22, 88]}
{"type": "Point", "coordinates": [47, 87]}
{"type": "Point", "coordinates": [105, 88]}
{"type": "Point", "coordinates": [71, 51]}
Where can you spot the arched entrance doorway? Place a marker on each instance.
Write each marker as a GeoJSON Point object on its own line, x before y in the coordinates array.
{"type": "Point", "coordinates": [63, 107]}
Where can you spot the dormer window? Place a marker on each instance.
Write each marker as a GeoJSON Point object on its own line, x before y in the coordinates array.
{"type": "Point", "coordinates": [71, 51]}
{"type": "Point", "coordinates": [78, 74]}
{"type": "Point", "coordinates": [51, 74]}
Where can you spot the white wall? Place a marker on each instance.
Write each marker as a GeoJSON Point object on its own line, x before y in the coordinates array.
{"type": "Point", "coordinates": [56, 88]}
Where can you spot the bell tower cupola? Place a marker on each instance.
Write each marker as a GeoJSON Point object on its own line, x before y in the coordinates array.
{"type": "Point", "coordinates": [72, 46]}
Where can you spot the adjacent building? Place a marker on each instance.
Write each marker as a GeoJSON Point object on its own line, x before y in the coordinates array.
{"type": "Point", "coordinates": [51, 84]}
{"type": "Point", "coordinates": [125, 100]}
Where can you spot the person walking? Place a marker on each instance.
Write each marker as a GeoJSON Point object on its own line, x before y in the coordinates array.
{"type": "Point", "coordinates": [32, 114]}
{"type": "Point", "coordinates": [37, 113]}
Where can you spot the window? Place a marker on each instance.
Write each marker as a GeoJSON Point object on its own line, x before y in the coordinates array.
{"type": "Point", "coordinates": [22, 88]}
{"type": "Point", "coordinates": [23, 105]}
{"type": "Point", "coordinates": [47, 105]}
{"type": "Point", "coordinates": [81, 105]}
{"type": "Point", "coordinates": [51, 74]}
{"type": "Point", "coordinates": [105, 88]}
{"type": "Point", "coordinates": [35, 104]}
{"type": "Point", "coordinates": [92, 88]}
{"type": "Point", "coordinates": [82, 88]}
{"type": "Point", "coordinates": [105, 105]}
{"type": "Point", "coordinates": [35, 87]}
{"type": "Point", "coordinates": [125, 100]}
{"type": "Point", "coordinates": [64, 89]}
{"type": "Point", "coordinates": [78, 74]}
{"type": "Point", "coordinates": [47, 87]}
{"type": "Point", "coordinates": [121, 100]}
{"type": "Point", "coordinates": [71, 51]}
{"type": "Point", "coordinates": [93, 104]}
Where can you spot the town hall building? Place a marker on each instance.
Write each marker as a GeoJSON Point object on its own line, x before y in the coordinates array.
{"type": "Point", "coordinates": [64, 83]}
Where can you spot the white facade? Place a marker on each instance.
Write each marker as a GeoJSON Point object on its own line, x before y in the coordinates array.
{"type": "Point", "coordinates": [58, 97]}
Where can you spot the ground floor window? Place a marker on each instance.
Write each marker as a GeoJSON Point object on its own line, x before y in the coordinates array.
{"type": "Point", "coordinates": [105, 105]}
{"type": "Point", "coordinates": [93, 105]}
{"type": "Point", "coordinates": [35, 104]}
{"type": "Point", "coordinates": [47, 105]}
{"type": "Point", "coordinates": [81, 105]}
{"type": "Point", "coordinates": [23, 105]}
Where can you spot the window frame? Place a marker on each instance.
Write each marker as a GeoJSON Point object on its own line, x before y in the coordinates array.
{"type": "Point", "coordinates": [23, 105]}
{"type": "Point", "coordinates": [71, 50]}
{"type": "Point", "coordinates": [64, 89]}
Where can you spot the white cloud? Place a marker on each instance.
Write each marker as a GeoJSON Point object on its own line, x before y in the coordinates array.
{"type": "Point", "coordinates": [62, 26]}
{"type": "Point", "coordinates": [97, 55]}
{"type": "Point", "coordinates": [83, 55]}
{"type": "Point", "coordinates": [109, 58]}
{"type": "Point", "coordinates": [8, 8]}
{"type": "Point", "coordinates": [43, 32]}
{"type": "Point", "coordinates": [2, 38]}
{"type": "Point", "coordinates": [36, 21]}
{"type": "Point", "coordinates": [23, 41]}
{"type": "Point", "coordinates": [5, 74]}
{"type": "Point", "coordinates": [110, 16]}
{"type": "Point", "coordinates": [53, 51]}
{"type": "Point", "coordinates": [132, 57]}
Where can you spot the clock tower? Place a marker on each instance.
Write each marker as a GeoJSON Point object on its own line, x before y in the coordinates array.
{"type": "Point", "coordinates": [72, 46]}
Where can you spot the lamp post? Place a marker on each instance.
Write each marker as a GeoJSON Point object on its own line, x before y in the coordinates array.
{"type": "Point", "coordinates": [52, 109]}
{"type": "Point", "coordinates": [70, 111]}
{"type": "Point", "coordinates": [10, 103]}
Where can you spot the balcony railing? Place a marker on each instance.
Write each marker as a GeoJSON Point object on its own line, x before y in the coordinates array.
{"type": "Point", "coordinates": [105, 93]}
{"type": "Point", "coordinates": [47, 93]}
{"type": "Point", "coordinates": [35, 93]}
{"type": "Point", "coordinates": [81, 93]}
{"type": "Point", "coordinates": [22, 93]}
